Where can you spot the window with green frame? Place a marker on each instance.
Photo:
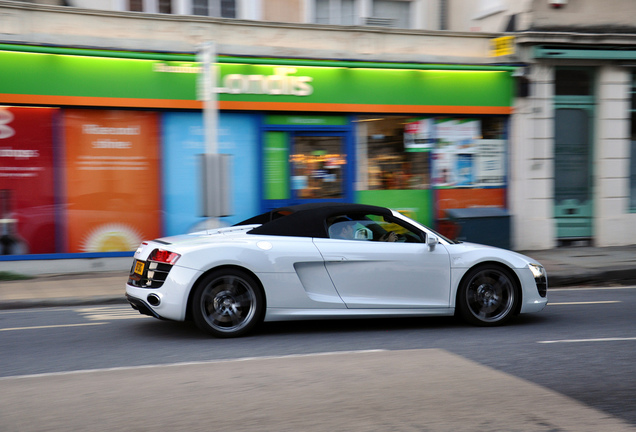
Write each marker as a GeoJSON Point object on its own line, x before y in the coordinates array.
{"type": "Point", "coordinates": [632, 161]}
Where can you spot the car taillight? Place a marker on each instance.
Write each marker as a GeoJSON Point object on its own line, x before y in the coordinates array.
{"type": "Point", "coordinates": [163, 256]}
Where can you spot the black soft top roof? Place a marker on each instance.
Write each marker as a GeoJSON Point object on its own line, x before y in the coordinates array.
{"type": "Point", "coordinates": [306, 220]}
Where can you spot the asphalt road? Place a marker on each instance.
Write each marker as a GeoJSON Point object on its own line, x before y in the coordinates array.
{"type": "Point", "coordinates": [570, 367]}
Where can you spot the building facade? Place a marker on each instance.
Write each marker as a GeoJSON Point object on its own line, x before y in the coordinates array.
{"type": "Point", "coordinates": [307, 113]}
{"type": "Point", "coordinates": [522, 106]}
{"type": "Point", "coordinates": [573, 160]}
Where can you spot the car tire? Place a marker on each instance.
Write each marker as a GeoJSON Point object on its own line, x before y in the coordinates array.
{"type": "Point", "coordinates": [488, 296]}
{"type": "Point", "coordinates": [228, 303]}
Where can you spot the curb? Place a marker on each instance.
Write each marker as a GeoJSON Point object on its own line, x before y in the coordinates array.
{"type": "Point", "coordinates": [615, 277]}
{"type": "Point", "coordinates": [62, 302]}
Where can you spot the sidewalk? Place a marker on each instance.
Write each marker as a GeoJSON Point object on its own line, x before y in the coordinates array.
{"type": "Point", "coordinates": [81, 282]}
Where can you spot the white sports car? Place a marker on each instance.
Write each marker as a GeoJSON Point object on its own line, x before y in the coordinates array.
{"type": "Point", "coordinates": [328, 261]}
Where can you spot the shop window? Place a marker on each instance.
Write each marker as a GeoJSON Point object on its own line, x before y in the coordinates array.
{"type": "Point", "coordinates": [387, 161]}
{"type": "Point", "coordinates": [214, 8]}
{"type": "Point", "coordinates": [400, 152]}
{"type": "Point", "coordinates": [391, 13]}
{"type": "Point", "coordinates": [165, 6]}
{"type": "Point", "coordinates": [573, 82]}
{"type": "Point", "coordinates": [426, 165]}
{"type": "Point", "coordinates": [317, 163]}
{"type": "Point", "coordinates": [338, 12]}
{"type": "Point", "coordinates": [136, 5]}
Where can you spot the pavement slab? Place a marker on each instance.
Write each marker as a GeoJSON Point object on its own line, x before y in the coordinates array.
{"type": "Point", "coordinates": [412, 390]}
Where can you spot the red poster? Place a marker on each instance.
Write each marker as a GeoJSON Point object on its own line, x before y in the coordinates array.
{"type": "Point", "coordinates": [27, 192]}
{"type": "Point", "coordinates": [112, 179]}
{"type": "Point", "coordinates": [466, 198]}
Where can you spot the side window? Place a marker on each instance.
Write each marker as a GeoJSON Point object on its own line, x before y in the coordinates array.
{"type": "Point", "coordinates": [347, 228]}
{"type": "Point", "coordinates": [370, 227]}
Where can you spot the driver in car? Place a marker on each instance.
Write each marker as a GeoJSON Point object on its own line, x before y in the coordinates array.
{"type": "Point", "coordinates": [344, 228]}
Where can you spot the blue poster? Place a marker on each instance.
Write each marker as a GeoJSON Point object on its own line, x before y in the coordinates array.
{"type": "Point", "coordinates": [465, 171]}
{"type": "Point", "coordinates": [183, 142]}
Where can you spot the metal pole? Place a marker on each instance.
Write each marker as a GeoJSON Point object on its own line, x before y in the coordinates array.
{"type": "Point", "coordinates": [207, 54]}
{"type": "Point", "coordinates": [215, 167]}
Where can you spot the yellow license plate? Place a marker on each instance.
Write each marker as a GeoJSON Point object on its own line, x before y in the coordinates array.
{"type": "Point", "coordinates": [139, 267]}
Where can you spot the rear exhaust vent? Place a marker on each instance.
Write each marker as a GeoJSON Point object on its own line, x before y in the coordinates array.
{"type": "Point", "coordinates": [153, 300]}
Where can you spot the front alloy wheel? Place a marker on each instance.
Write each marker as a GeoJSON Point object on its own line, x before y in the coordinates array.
{"type": "Point", "coordinates": [488, 296]}
{"type": "Point", "coordinates": [227, 303]}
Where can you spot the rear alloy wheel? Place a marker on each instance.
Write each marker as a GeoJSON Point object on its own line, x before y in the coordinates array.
{"type": "Point", "coordinates": [488, 296]}
{"type": "Point", "coordinates": [227, 303]}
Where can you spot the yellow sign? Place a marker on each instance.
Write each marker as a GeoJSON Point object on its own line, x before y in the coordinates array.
{"type": "Point", "coordinates": [502, 46]}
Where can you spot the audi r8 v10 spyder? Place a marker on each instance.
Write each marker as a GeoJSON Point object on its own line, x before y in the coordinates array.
{"type": "Point", "coordinates": [328, 260]}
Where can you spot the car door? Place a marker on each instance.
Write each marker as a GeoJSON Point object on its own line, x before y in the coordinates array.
{"type": "Point", "coordinates": [379, 274]}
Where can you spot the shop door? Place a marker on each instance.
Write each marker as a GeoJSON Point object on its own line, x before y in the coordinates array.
{"type": "Point", "coordinates": [574, 101]}
{"type": "Point", "coordinates": [573, 207]}
{"type": "Point", "coordinates": [305, 167]}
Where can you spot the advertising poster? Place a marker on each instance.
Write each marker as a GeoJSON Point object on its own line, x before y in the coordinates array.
{"type": "Point", "coordinates": [444, 167]}
{"type": "Point", "coordinates": [468, 171]}
{"type": "Point", "coordinates": [239, 136]}
{"type": "Point", "coordinates": [183, 143]}
{"type": "Point", "coordinates": [454, 158]}
{"type": "Point", "coordinates": [27, 200]}
{"type": "Point", "coordinates": [419, 135]}
{"type": "Point", "coordinates": [276, 166]}
{"type": "Point", "coordinates": [112, 179]}
{"type": "Point", "coordinates": [490, 166]}
{"type": "Point", "coordinates": [465, 169]}
{"type": "Point", "coordinates": [468, 197]}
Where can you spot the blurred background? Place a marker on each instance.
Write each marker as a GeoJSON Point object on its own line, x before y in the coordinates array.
{"type": "Point", "coordinates": [503, 122]}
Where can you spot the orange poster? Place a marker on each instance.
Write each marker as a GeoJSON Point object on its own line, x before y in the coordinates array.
{"type": "Point", "coordinates": [112, 179]}
{"type": "Point", "coordinates": [466, 198]}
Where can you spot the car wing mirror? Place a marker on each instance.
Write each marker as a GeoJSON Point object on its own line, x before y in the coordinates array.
{"type": "Point", "coordinates": [431, 241]}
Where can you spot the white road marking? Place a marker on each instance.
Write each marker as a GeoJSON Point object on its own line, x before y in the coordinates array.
{"type": "Point", "coordinates": [100, 314]}
{"type": "Point", "coordinates": [50, 326]}
{"type": "Point", "coordinates": [33, 310]}
{"type": "Point", "coordinates": [616, 339]}
{"type": "Point", "coordinates": [585, 302]}
{"type": "Point", "coordinates": [194, 363]}
{"type": "Point", "coordinates": [109, 313]}
{"type": "Point", "coordinates": [592, 288]}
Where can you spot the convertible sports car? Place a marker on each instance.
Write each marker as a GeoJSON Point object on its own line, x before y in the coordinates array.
{"type": "Point", "coordinates": [329, 260]}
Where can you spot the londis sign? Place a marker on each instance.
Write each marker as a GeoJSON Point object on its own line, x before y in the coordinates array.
{"type": "Point", "coordinates": [54, 79]}
{"type": "Point", "coordinates": [282, 82]}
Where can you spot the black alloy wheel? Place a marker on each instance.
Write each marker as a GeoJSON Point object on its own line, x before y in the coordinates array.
{"type": "Point", "coordinates": [228, 303]}
{"type": "Point", "coordinates": [488, 296]}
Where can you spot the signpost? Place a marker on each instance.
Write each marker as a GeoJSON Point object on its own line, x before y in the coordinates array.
{"type": "Point", "coordinates": [215, 167]}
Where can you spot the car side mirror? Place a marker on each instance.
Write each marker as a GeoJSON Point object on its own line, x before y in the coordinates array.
{"type": "Point", "coordinates": [431, 241]}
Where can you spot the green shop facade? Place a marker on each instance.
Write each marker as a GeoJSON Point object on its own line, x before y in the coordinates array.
{"type": "Point", "coordinates": [119, 133]}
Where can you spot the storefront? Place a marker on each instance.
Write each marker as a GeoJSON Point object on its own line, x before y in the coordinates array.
{"type": "Point", "coordinates": [419, 138]}
{"type": "Point", "coordinates": [98, 149]}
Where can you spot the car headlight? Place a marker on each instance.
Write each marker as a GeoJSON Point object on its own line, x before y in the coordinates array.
{"type": "Point", "coordinates": [537, 270]}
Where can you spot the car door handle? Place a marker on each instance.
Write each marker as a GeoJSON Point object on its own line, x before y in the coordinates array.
{"type": "Point", "coordinates": [335, 258]}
